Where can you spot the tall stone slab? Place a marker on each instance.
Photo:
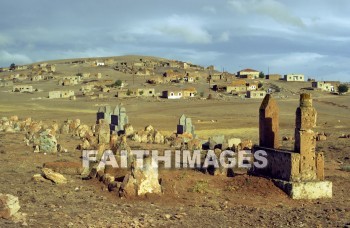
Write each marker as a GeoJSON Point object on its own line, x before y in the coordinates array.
{"type": "Point", "coordinates": [305, 137]}
{"type": "Point", "coordinates": [269, 123]}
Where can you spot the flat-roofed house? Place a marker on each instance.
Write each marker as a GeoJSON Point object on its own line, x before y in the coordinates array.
{"type": "Point", "coordinates": [248, 74]}
{"type": "Point", "coordinates": [294, 77]}
{"type": "Point", "coordinates": [256, 94]}
{"type": "Point", "coordinates": [173, 94]}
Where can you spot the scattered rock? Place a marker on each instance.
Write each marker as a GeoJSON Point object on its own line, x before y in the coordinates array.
{"type": "Point", "coordinates": [57, 178]}
{"type": "Point", "coordinates": [39, 178]}
{"type": "Point", "coordinates": [321, 137]}
{"type": "Point", "coordinates": [69, 168]}
{"type": "Point", "coordinates": [128, 130]}
{"type": "Point", "coordinates": [234, 142]}
{"type": "Point", "coordinates": [9, 205]}
{"type": "Point", "coordinates": [47, 142]}
{"type": "Point", "coordinates": [141, 181]}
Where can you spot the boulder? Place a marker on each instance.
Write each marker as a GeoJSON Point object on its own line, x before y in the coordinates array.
{"type": "Point", "coordinates": [57, 178]}
{"type": "Point", "coordinates": [216, 141]}
{"type": "Point", "coordinates": [39, 178]}
{"type": "Point", "coordinates": [246, 145]}
{"type": "Point", "coordinates": [9, 205]}
{"type": "Point", "coordinates": [321, 137]}
{"type": "Point", "coordinates": [149, 128]}
{"type": "Point", "coordinates": [128, 130]}
{"type": "Point", "coordinates": [85, 145]}
{"type": "Point", "coordinates": [158, 138]}
{"type": "Point", "coordinates": [141, 181]}
{"type": "Point", "coordinates": [14, 118]}
{"type": "Point", "coordinates": [82, 131]}
{"type": "Point", "coordinates": [47, 142]}
{"type": "Point", "coordinates": [194, 144]}
{"type": "Point", "coordinates": [176, 142]}
{"type": "Point", "coordinates": [136, 137]}
{"type": "Point", "coordinates": [234, 142]}
{"type": "Point", "coordinates": [64, 129]}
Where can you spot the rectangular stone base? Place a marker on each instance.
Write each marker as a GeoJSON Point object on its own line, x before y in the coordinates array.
{"type": "Point", "coordinates": [306, 190]}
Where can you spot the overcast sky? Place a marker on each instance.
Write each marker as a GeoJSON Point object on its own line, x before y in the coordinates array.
{"type": "Point", "coordinates": [310, 37]}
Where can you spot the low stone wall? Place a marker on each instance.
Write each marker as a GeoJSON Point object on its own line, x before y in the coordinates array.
{"type": "Point", "coordinates": [281, 165]}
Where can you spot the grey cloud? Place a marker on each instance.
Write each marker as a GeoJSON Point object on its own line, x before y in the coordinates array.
{"type": "Point", "coordinates": [270, 8]}
{"type": "Point", "coordinates": [6, 58]}
{"type": "Point", "coordinates": [288, 36]}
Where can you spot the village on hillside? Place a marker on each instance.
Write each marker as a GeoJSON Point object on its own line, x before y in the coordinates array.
{"type": "Point", "coordinates": [135, 77]}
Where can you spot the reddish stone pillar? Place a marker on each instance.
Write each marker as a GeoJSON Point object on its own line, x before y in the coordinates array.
{"type": "Point", "coordinates": [269, 123]}
{"type": "Point", "coordinates": [305, 138]}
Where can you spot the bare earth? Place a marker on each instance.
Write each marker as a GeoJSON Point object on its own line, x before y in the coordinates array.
{"type": "Point", "coordinates": [191, 198]}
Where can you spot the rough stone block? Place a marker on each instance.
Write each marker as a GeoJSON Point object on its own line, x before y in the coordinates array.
{"type": "Point", "coordinates": [9, 205]}
{"type": "Point", "coordinates": [310, 190]}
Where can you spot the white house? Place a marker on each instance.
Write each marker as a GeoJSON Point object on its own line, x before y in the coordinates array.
{"type": "Point", "coordinates": [173, 94]}
{"type": "Point", "coordinates": [326, 86]}
{"type": "Point", "coordinates": [294, 77]}
{"type": "Point", "coordinates": [99, 63]}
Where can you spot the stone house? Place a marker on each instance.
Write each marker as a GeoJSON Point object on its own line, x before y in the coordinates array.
{"type": "Point", "coordinates": [22, 88]}
{"type": "Point", "coordinates": [294, 77]}
{"type": "Point", "coordinates": [70, 80]}
{"type": "Point", "coordinates": [216, 76]}
{"type": "Point", "coordinates": [85, 75]}
{"type": "Point", "coordinates": [252, 86]}
{"type": "Point", "coordinates": [326, 86]}
{"type": "Point", "coordinates": [24, 67]}
{"type": "Point", "coordinates": [189, 79]}
{"type": "Point", "coordinates": [61, 94]}
{"type": "Point", "coordinates": [139, 64]}
{"type": "Point", "coordinates": [51, 68]}
{"type": "Point", "coordinates": [146, 92]}
{"type": "Point", "coordinates": [172, 94]}
{"type": "Point", "coordinates": [238, 86]}
{"type": "Point", "coordinates": [256, 94]}
{"type": "Point", "coordinates": [273, 77]}
{"type": "Point", "coordinates": [105, 89]}
{"type": "Point", "coordinates": [143, 72]}
{"type": "Point", "coordinates": [86, 88]}
{"type": "Point", "coordinates": [126, 93]}
{"type": "Point", "coordinates": [6, 83]}
{"type": "Point", "coordinates": [37, 78]}
{"type": "Point", "coordinates": [4, 69]}
{"type": "Point", "coordinates": [99, 63]}
{"type": "Point", "coordinates": [139, 92]}
{"type": "Point", "coordinates": [248, 73]}
{"type": "Point", "coordinates": [189, 92]}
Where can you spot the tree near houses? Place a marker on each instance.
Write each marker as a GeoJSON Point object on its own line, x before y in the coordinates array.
{"type": "Point", "coordinates": [118, 83]}
{"type": "Point", "coordinates": [12, 66]}
{"type": "Point", "coordinates": [343, 88]}
{"type": "Point", "coordinates": [261, 75]}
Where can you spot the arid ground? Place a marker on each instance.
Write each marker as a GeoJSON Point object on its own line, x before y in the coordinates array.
{"type": "Point", "coordinates": [191, 198]}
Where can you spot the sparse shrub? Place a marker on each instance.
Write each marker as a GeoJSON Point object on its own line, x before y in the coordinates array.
{"type": "Point", "coordinates": [343, 88]}
{"type": "Point", "coordinates": [200, 186]}
{"type": "Point", "coordinates": [128, 92]}
{"type": "Point", "coordinates": [345, 168]}
{"type": "Point", "coordinates": [12, 66]}
{"type": "Point", "coordinates": [118, 83]}
{"type": "Point", "coordinates": [261, 75]}
{"type": "Point", "coordinates": [201, 94]}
